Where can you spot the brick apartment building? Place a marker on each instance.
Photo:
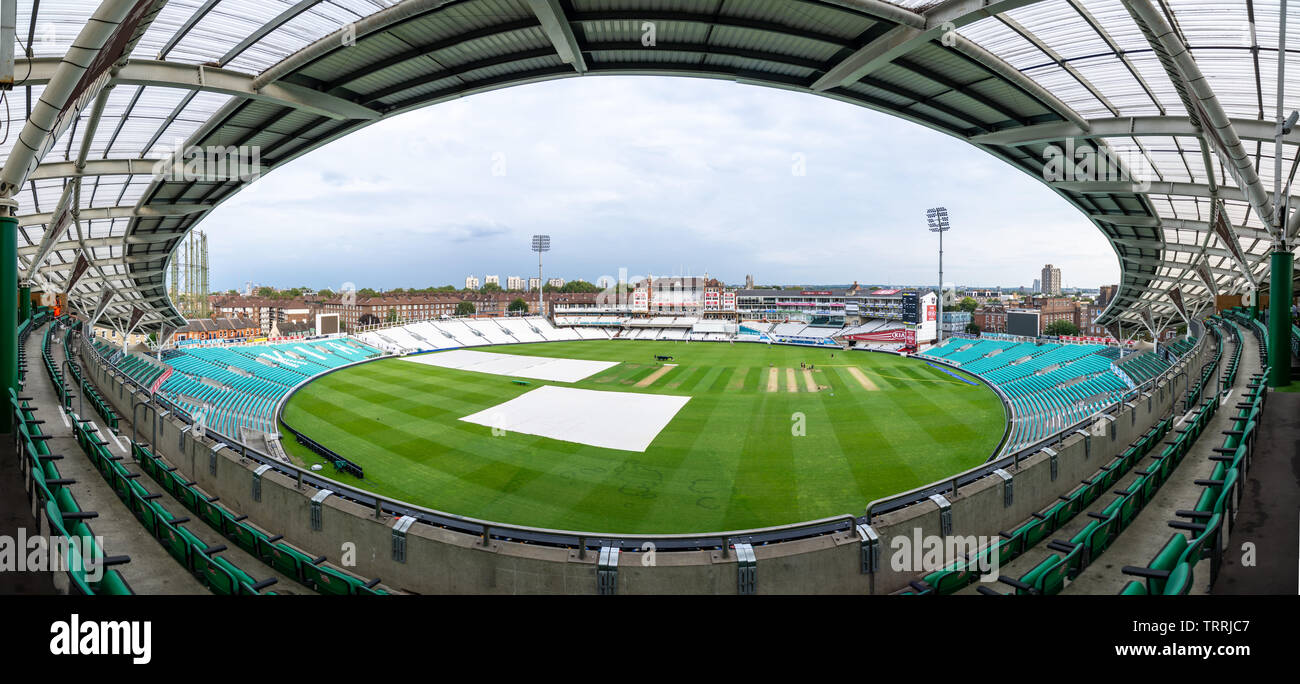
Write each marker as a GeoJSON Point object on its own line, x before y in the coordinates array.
{"type": "Point", "coordinates": [218, 329]}
{"type": "Point", "coordinates": [1053, 309]}
{"type": "Point", "coordinates": [265, 312]}
{"type": "Point", "coordinates": [408, 308]}
{"type": "Point", "coordinates": [402, 308]}
{"type": "Point", "coordinates": [991, 319]}
{"type": "Point", "coordinates": [1085, 314]}
{"type": "Point", "coordinates": [1104, 295]}
{"type": "Point", "coordinates": [268, 314]}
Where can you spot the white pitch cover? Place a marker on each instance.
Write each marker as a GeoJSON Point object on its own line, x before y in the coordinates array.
{"type": "Point", "coordinates": [514, 365]}
{"type": "Point", "coordinates": [614, 420]}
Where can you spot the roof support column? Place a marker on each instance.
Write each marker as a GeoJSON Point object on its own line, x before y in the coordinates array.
{"type": "Point", "coordinates": [1282, 261]}
{"type": "Point", "coordinates": [24, 301]}
{"type": "Point", "coordinates": [1279, 317]}
{"type": "Point", "coordinates": [8, 306]}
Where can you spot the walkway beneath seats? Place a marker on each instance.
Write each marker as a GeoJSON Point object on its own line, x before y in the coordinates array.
{"type": "Point", "coordinates": [1270, 508]}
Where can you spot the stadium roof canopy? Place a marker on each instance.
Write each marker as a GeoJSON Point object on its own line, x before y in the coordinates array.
{"type": "Point", "coordinates": [1179, 92]}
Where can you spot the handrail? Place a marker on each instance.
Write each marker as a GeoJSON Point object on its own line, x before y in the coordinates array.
{"type": "Point", "coordinates": [488, 530]}
{"type": "Point", "coordinates": [81, 389]}
{"type": "Point", "coordinates": [952, 484]}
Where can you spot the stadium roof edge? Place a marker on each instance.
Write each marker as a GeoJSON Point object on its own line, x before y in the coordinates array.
{"type": "Point", "coordinates": [992, 73]}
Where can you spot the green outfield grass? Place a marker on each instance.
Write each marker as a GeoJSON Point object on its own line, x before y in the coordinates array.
{"type": "Point", "coordinates": [729, 460]}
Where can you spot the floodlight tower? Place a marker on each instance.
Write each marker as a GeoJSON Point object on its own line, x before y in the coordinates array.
{"type": "Point", "coordinates": [938, 220]}
{"type": "Point", "coordinates": [541, 243]}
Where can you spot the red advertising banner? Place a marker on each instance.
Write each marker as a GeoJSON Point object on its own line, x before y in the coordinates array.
{"type": "Point", "coordinates": [929, 312]}
{"type": "Point", "coordinates": [891, 335]}
{"type": "Point", "coordinates": [1085, 339]}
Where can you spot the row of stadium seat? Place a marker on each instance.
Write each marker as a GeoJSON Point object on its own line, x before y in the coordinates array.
{"type": "Point", "coordinates": [280, 556]}
{"type": "Point", "coordinates": [1043, 414]}
{"type": "Point", "coordinates": [1085, 367]}
{"type": "Point", "coordinates": [86, 569]}
{"type": "Point", "coordinates": [1087, 543]}
{"type": "Point", "coordinates": [52, 369]}
{"type": "Point", "coordinates": [1049, 386]}
{"type": "Point", "coordinates": [25, 328]}
{"type": "Point", "coordinates": [1209, 522]}
{"type": "Point", "coordinates": [1061, 355]}
{"type": "Point", "coordinates": [1143, 366]}
{"type": "Point", "coordinates": [218, 408]}
{"type": "Point", "coordinates": [978, 350]}
{"type": "Point", "coordinates": [453, 333]}
{"type": "Point", "coordinates": [200, 558]}
{"type": "Point", "coordinates": [194, 365]}
{"type": "Point", "coordinates": [233, 388]}
{"type": "Point", "coordinates": [1013, 353]}
{"type": "Point", "coordinates": [140, 369]}
{"type": "Point", "coordinates": [1181, 346]}
{"type": "Point", "coordinates": [1069, 558]}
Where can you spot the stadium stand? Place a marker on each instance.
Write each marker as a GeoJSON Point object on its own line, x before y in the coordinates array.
{"type": "Point", "coordinates": [1116, 494]}
{"type": "Point", "coordinates": [231, 389]}
{"type": "Point", "coordinates": [198, 555]}
{"type": "Point", "coordinates": [1051, 386]}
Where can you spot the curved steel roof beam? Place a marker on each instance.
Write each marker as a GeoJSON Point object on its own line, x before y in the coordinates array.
{"type": "Point", "coordinates": [131, 211]}
{"type": "Point", "coordinates": [1149, 188]}
{"type": "Point", "coordinates": [185, 28]}
{"type": "Point", "coordinates": [1227, 143]}
{"type": "Point", "coordinates": [108, 167]}
{"type": "Point", "coordinates": [379, 21]}
{"type": "Point", "coordinates": [883, 10]}
{"type": "Point", "coordinates": [73, 188]}
{"type": "Point", "coordinates": [941, 23]}
{"type": "Point", "coordinates": [559, 31]}
{"type": "Point", "coordinates": [266, 29]}
{"type": "Point", "coordinates": [198, 77]}
{"type": "Point", "coordinates": [1128, 127]}
{"type": "Point", "coordinates": [105, 242]}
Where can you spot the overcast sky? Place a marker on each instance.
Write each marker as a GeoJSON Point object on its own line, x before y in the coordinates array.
{"type": "Point", "coordinates": [654, 175]}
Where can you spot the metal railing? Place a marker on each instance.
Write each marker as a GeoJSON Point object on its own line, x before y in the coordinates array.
{"type": "Point", "coordinates": [953, 484]}
{"type": "Point", "coordinates": [487, 530]}
{"type": "Point", "coordinates": [483, 529]}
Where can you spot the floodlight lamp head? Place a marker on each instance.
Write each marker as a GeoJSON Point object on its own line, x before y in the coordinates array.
{"type": "Point", "coordinates": [1290, 122]}
{"type": "Point", "coordinates": [541, 243]}
{"type": "Point", "coordinates": [937, 218]}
